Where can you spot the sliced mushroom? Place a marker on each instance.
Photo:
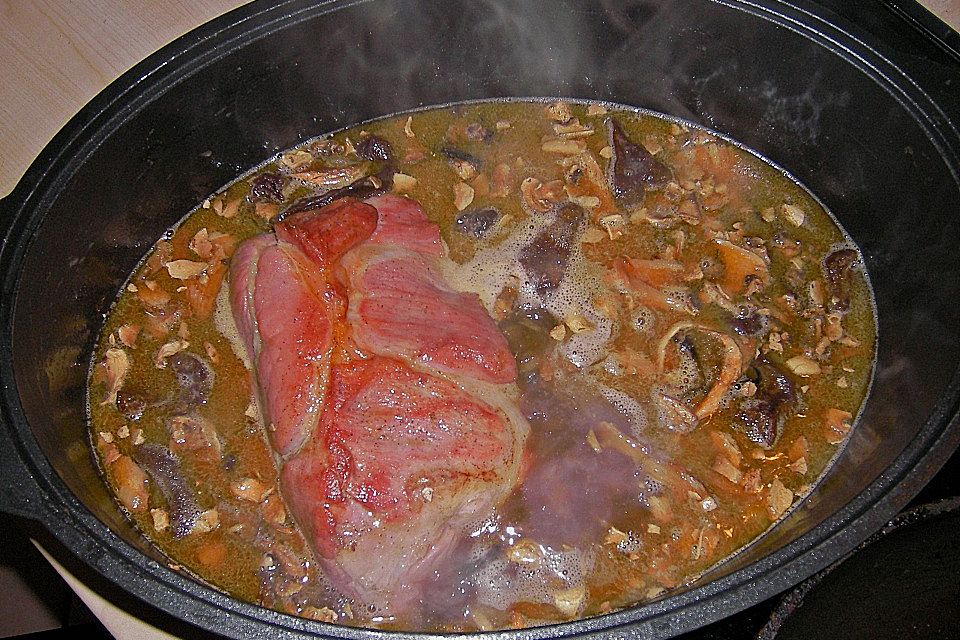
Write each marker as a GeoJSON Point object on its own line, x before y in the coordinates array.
{"type": "Point", "coordinates": [729, 372]}
{"type": "Point", "coordinates": [632, 170]}
{"type": "Point", "coordinates": [454, 155]}
{"type": "Point", "coordinates": [115, 366]}
{"type": "Point", "coordinates": [656, 273]}
{"type": "Point", "coordinates": [739, 265]}
{"type": "Point", "coordinates": [836, 267]}
{"type": "Point", "coordinates": [667, 474]}
{"type": "Point", "coordinates": [762, 416]}
{"type": "Point", "coordinates": [647, 279]}
{"type": "Point", "coordinates": [674, 414]}
{"type": "Point", "coordinates": [193, 433]}
{"type": "Point", "coordinates": [374, 148]}
{"type": "Point", "coordinates": [476, 222]}
{"type": "Point", "coordinates": [539, 197]}
{"type": "Point", "coordinates": [545, 258]}
{"type": "Point", "coordinates": [194, 377]}
{"type": "Point", "coordinates": [130, 482]}
{"type": "Point", "coordinates": [165, 470]}
{"type": "Point", "coordinates": [730, 366]}
{"type": "Point", "coordinates": [334, 177]}
{"type": "Point", "coordinates": [267, 187]}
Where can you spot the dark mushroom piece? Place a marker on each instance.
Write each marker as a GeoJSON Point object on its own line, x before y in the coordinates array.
{"type": "Point", "coordinates": [373, 148]}
{"type": "Point", "coordinates": [545, 259]}
{"type": "Point", "coordinates": [452, 153]}
{"type": "Point", "coordinates": [267, 187]}
{"type": "Point", "coordinates": [837, 267]}
{"type": "Point", "coordinates": [361, 190]}
{"type": "Point", "coordinates": [763, 415]}
{"type": "Point", "coordinates": [194, 377]}
{"type": "Point", "coordinates": [130, 404]}
{"type": "Point", "coordinates": [528, 333]}
{"type": "Point", "coordinates": [632, 170]}
{"type": "Point", "coordinates": [476, 131]}
{"type": "Point", "coordinates": [165, 471]}
{"type": "Point", "coordinates": [476, 222]}
{"type": "Point", "coordinates": [749, 322]}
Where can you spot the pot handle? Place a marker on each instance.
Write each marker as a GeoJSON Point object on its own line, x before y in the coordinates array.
{"type": "Point", "coordinates": [21, 495]}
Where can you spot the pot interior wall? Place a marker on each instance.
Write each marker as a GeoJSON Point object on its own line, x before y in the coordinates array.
{"type": "Point", "coordinates": [842, 134]}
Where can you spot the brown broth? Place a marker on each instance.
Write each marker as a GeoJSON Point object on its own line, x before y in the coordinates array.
{"type": "Point", "coordinates": [644, 542]}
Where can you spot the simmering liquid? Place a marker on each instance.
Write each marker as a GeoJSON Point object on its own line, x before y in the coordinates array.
{"type": "Point", "coordinates": [693, 335]}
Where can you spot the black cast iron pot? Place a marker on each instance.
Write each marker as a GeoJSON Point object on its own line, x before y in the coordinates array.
{"type": "Point", "coordinates": [863, 113]}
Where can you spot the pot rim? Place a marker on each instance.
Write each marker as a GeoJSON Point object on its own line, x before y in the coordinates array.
{"type": "Point", "coordinates": [75, 526]}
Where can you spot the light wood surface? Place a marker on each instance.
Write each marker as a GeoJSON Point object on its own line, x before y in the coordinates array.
{"type": "Point", "coordinates": [55, 55]}
{"type": "Point", "coordinates": [947, 10]}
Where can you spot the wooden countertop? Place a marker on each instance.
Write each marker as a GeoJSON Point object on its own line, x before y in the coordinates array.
{"type": "Point", "coordinates": [55, 55]}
